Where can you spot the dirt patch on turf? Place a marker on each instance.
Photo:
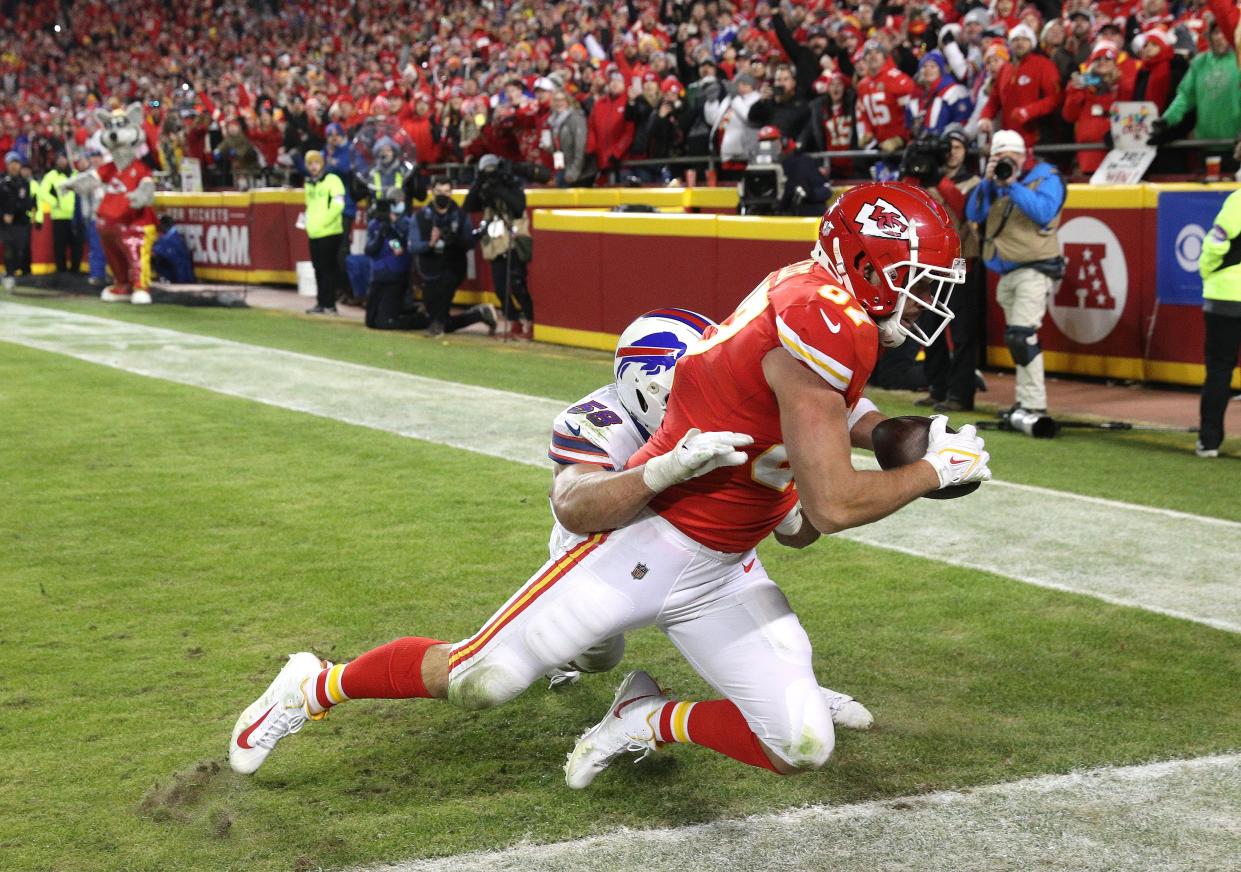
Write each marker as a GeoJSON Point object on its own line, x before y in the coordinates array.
{"type": "Point", "coordinates": [185, 790]}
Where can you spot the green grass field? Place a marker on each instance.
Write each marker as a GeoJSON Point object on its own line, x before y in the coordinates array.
{"type": "Point", "coordinates": [163, 548]}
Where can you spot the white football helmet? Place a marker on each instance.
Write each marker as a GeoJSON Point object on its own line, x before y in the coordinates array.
{"type": "Point", "coordinates": [645, 355]}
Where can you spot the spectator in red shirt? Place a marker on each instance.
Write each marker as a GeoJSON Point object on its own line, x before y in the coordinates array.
{"type": "Point", "coordinates": [267, 138]}
{"type": "Point", "coordinates": [1027, 89]}
{"type": "Point", "coordinates": [610, 133]}
{"type": "Point", "coordinates": [1088, 103]}
{"type": "Point", "coordinates": [1154, 81]}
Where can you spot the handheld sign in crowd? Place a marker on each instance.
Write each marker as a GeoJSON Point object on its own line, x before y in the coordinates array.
{"type": "Point", "coordinates": [1126, 163]}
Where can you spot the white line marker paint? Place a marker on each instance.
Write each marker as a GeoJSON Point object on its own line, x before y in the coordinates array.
{"type": "Point", "coordinates": [1169, 562]}
{"type": "Point", "coordinates": [1178, 816]}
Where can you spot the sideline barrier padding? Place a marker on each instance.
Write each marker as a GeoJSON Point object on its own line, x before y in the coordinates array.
{"type": "Point", "coordinates": [1129, 307]}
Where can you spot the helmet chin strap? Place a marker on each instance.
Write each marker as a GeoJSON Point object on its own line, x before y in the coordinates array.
{"type": "Point", "coordinates": [835, 267]}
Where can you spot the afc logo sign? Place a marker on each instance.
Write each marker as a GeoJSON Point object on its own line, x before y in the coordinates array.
{"type": "Point", "coordinates": [1090, 299]}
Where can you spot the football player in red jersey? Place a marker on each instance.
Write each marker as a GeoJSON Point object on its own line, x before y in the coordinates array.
{"type": "Point", "coordinates": [788, 366]}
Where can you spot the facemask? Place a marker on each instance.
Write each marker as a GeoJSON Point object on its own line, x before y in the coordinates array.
{"type": "Point", "coordinates": [443, 201]}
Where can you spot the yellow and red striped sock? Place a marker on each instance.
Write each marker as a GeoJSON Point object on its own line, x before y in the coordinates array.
{"type": "Point", "coordinates": [716, 724]}
{"type": "Point", "coordinates": [327, 690]}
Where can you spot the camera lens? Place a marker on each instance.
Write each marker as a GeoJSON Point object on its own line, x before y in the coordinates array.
{"type": "Point", "coordinates": [1003, 170]}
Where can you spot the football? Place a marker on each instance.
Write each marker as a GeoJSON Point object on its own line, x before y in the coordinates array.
{"type": "Point", "coordinates": [901, 441]}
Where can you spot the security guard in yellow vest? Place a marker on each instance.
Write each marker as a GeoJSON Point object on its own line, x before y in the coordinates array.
{"type": "Point", "coordinates": [1018, 204]}
{"type": "Point", "coordinates": [1220, 267]}
{"type": "Point", "coordinates": [325, 228]}
{"type": "Point", "coordinates": [66, 241]}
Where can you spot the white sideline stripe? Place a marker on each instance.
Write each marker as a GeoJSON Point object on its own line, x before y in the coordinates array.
{"type": "Point", "coordinates": [1177, 816]}
{"type": "Point", "coordinates": [1160, 560]}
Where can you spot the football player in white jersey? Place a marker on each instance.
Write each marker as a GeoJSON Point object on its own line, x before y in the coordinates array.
{"type": "Point", "coordinates": [599, 432]}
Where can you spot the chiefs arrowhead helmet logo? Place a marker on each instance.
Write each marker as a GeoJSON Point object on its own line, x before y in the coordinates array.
{"type": "Point", "coordinates": [882, 219]}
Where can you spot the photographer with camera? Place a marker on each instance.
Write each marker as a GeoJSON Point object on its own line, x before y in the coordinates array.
{"type": "Point", "coordinates": [388, 247]}
{"type": "Point", "coordinates": [1088, 102]}
{"type": "Point", "coordinates": [505, 239]}
{"type": "Point", "coordinates": [1018, 203]}
{"type": "Point", "coordinates": [440, 234]}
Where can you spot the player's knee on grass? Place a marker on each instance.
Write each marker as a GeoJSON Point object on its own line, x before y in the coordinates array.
{"type": "Point", "coordinates": [603, 657]}
{"type": "Point", "coordinates": [485, 685]}
{"type": "Point", "coordinates": [811, 737]}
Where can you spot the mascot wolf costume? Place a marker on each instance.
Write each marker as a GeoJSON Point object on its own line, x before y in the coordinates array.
{"type": "Point", "coordinates": [125, 219]}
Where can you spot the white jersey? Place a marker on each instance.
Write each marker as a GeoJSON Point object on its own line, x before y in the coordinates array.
{"type": "Point", "coordinates": [595, 429]}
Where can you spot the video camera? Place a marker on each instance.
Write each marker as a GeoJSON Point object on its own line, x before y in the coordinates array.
{"type": "Point", "coordinates": [924, 159]}
{"type": "Point", "coordinates": [762, 182]}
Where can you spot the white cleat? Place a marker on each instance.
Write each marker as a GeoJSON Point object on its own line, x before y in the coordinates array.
{"type": "Point", "coordinates": [561, 677]}
{"type": "Point", "coordinates": [625, 728]}
{"type": "Point", "coordinates": [140, 298]}
{"type": "Point", "coordinates": [846, 711]}
{"type": "Point", "coordinates": [281, 711]}
{"type": "Point", "coordinates": [111, 295]}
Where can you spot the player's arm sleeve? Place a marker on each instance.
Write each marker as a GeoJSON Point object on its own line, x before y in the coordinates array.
{"type": "Point", "coordinates": [570, 444]}
{"type": "Point", "coordinates": [820, 340]}
{"type": "Point", "coordinates": [1222, 237]}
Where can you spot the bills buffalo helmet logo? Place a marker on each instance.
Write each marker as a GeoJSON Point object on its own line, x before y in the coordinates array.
{"type": "Point", "coordinates": [653, 353]}
{"type": "Point", "coordinates": [882, 219]}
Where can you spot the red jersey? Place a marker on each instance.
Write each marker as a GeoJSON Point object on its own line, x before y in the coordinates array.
{"type": "Point", "coordinates": [117, 184]}
{"type": "Point", "coordinates": [882, 99]}
{"type": "Point", "coordinates": [719, 385]}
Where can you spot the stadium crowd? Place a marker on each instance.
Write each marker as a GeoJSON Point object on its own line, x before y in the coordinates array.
{"type": "Point", "coordinates": [580, 87]}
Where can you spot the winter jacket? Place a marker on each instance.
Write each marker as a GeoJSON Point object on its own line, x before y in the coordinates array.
{"type": "Point", "coordinates": [16, 198]}
{"type": "Point", "coordinates": [732, 115]}
{"type": "Point", "coordinates": [172, 256]}
{"type": "Point", "coordinates": [1089, 110]}
{"type": "Point", "coordinates": [239, 153]}
{"type": "Point", "coordinates": [789, 115]}
{"type": "Point", "coordinates": [1154, 80]}
{"type": "Point", "coordinates": [1212, 87]}
{"type": "Point", "coordinates": [610, 132]}
{"type": "Point", "coordinates": [569, 138]}
{"type": "Point", "coordinates": [1220, 264]}
{"type": "Point", "coordinates": [931, 110]}
{"type": "Point", "coordinates": [638, 112]}
{"type": "Point", "coordinates": [456, 238]}
{"type": "Point", "coordinates": [388, 249]}
{"type": "Point", "coordinates": [1020, 218]}
{"type": "Point", "coordinates": [1023, 93]}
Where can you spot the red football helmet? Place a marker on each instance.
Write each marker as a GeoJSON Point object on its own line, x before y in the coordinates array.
{"type": "Point", "coordinates": [888, 242]}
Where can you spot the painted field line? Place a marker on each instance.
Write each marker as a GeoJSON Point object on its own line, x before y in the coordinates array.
{"type": "Point", "coordinates": [1169, 562]}
{"type": "Point", "coordinates": [1177, 816]}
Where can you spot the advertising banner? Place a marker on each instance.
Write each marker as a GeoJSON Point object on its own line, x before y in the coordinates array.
{"type": "Point", "coordinates": [218, 236]}
{"type": "Point", "coordinates": [1184, 218]}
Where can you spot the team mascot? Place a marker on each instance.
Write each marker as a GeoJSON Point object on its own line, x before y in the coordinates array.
{"type": "Point", "coordinates": [125, 219]}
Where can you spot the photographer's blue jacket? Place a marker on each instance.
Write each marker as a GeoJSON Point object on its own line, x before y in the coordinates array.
{"type": "Point", "coordinates": [387, 249]}
{"type": "Point", "coordinates": [1039, 194]}
{"type": "Point", "coordinates": [176, 264]}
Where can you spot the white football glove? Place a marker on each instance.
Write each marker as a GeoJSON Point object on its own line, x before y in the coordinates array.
{"type": "Point", "coordinates": [696, 454]}
{"type": "Point", "coordinates": [958, 457]}
{"type": "Point", "coordinates": [792, 523]}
